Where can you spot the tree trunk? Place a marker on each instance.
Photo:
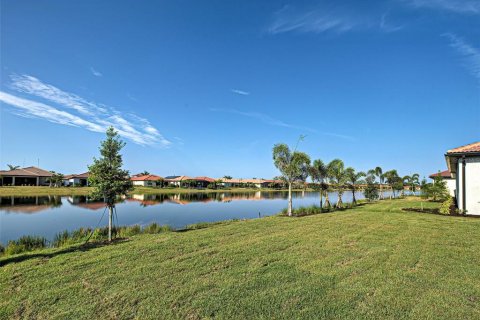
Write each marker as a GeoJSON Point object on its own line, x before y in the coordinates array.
{"type": "Point", "coordinates": [289, 199]}
{"type": "Point", "coordinates": [339, 201]}
{"type": "Point", "coordinates": [110, 216]}
{"type": "Point", "coordinates": [354, 201]}
{"type": "Point", "coordinates": [321, 198]}
{"type": "Point", "coordinates": [327, 201]}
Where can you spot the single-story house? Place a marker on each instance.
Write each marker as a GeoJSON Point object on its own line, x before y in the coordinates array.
{"type": "Point", "coordinates": [149, 180]}
{"type": "Point", "coordinates": [258, 183]}
{"type": "Point", "coordinates": [29, 176]}
{"type": "Point", "coordinates": [447, 177]}
{"type": "Point", "coordinates": [76, 179]}
{"type": "Point", "coordinates": [464, 165]}
{"type": "Point", "coordinates": [176, 181]}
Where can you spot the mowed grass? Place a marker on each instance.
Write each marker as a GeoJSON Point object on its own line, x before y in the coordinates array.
{"type": "Point", "coordinates": [372, 262]}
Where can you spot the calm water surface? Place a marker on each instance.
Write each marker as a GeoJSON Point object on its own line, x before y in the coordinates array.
{"type": "Point", "coordinates": [48, 215]}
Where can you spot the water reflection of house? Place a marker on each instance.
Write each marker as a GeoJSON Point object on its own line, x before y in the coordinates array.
{"type": "Point", "coordinates": [29, 176]}
{"type": "Point", "coordinates": [29, 204]}
{"type": "Point", "coordinates": [85, 202]}
{"type": "Point", "coordinates": [146, 199]}
{"type": "Point", "coordinates": [227, 197]}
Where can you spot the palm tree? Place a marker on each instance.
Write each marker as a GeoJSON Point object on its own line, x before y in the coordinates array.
{"type": "Point", "coordinates": [12, 167]}
{"type": "Point", "coordinates": [392, 178]}
{"type": "Point", "coordinates": [413, 182]}
{"type": "Point", "coordinates": [353, 178]}
{"type": "Point", "coordinates": [145, 173]}
{"type": "Point", "coordinates": [227, 177]}
{"type": "Point", "coordinates": [336, 172]}
{"type": "Point", "coordinates": [319, 173]}
{"type": "Point", "coordinates": [292, 165]}
{"type": "Point", "coordinates": [379, 174]}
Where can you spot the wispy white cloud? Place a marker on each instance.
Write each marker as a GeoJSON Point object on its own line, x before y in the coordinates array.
{"type": "Point", "coordinates": [386, 26]}
{"type": "Point", "coordinates": [90, 115]}
{"type": "Point", "coordinates": [458, 6]}
{"type": "Point", "coordinates": [240, 92]}
{"type": "Point", "coordinates": [263, 118]}
{"type": "Point", "coordinates": [317, 20]}
{"type": "Point", "coordinates": [337, 135]}
{"type": "Point", "coordinates": [95, 72]}
{"type": "Point", "coordinates": [470, 54]}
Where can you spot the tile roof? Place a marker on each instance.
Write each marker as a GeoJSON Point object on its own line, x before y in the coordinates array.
{"type": "Point", "coordinates": [469, 148]}
{"type": "Point", "coordinates": [149, 177]}
{"type": "Point", "coordinates": [207, 179]}
{"type": "Point", "coordinates": [27, 172]}
{"type": "Point", "coordinates": [443, 174]}
{"type": "Point", "coordinates": [79, 176]}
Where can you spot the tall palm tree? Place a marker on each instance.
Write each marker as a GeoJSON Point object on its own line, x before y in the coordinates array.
{"type": "Point", "coordinates": [392, 178]}
{"type": "Point", "coordinates": [353, 178]}
{"type": "Point", "coordinates": [293, 166]}
{"type": "Point", "coordinates": [319, 173]}
{"type": "Point", "coordinates": [336, 172]}
{"type": "Point", "coordinates": [379, 174]}
{"type": "Point", "coordinates": [12, 167]}
{"type": "Point", "coordinates": [413, 182]}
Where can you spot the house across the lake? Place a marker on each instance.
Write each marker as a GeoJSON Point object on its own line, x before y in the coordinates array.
{"type": "Point", "coordinates": [148, 180]}
{"type": "Point", "coordinates": [258, 183]}
{"type": "Point", "coordinates": [447, 177]}
{"type": "Point", "coordinates": [76, 179]}
{"type": "Point", "coordinates": [29, 176]}
{"type": "Point", "coordinates": [464, 166]}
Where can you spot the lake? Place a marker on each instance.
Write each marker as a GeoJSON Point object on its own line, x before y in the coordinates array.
{"type": "Point", "coordinates": [48, 215]}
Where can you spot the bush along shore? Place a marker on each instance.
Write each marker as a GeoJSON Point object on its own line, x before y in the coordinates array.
{"type": "Point", "coordinates": [29, 243]}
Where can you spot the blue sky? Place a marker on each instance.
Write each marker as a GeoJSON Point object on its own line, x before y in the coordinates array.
{"type": "Point", "coordinates": [208, 87]}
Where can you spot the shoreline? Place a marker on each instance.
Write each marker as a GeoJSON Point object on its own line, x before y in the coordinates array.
{"type": "Point", "coordinates": [85, 191]}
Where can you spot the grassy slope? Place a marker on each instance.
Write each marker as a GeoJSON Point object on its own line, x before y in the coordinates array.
{"type": "Point", "coordinates": [375, 261]}
{"type": "Point", "coordinates": [66, 191]}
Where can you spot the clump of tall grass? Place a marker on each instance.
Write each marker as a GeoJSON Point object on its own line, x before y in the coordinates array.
{"type": "Point", "coordinates": [66, 238]}
{"type": "Point", "coordinates": [24, 244]}
{"type": "Point", "coordinates": [203, 225]}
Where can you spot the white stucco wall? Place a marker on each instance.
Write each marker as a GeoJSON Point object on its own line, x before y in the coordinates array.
{"type": "Point", "coordinates": [472, 185]}
{"type": "Point", "coordinates": [451, 186]}
{"type": "Point", "coordinates": [145, 183]}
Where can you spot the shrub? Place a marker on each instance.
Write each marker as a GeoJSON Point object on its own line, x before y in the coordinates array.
{"type": "Point", "coordinates": [371, 192]}
{"type": "Point", "coordinates": [2, 249]}
{"type": "Point", "coordinates": [447, 206]}
{"type": "Point", "coordinates": [25, 243]}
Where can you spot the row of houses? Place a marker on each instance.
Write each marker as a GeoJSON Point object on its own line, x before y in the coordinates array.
{"type": "Point", "coordinates": [152, 180]}
{"type": "Point", "coordinates": [34, 176]}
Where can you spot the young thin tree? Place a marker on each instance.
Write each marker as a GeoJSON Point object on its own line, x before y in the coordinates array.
{"type": "Point", "coordinates": [107, 177]}
{"type": "Point", "coordinates": [319, 174]}
{"type": "Point", "coordinates": [292, 165]}
{"type": "Point", "coordinates": [381, 179]}
{"type": "Point", "coordinates": [353, 178]}
{"type": "Point", "coordinates": [336, 172]}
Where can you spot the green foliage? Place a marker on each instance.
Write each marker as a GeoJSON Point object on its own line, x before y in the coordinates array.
{"type": "Point", "coordinates": [107, 177]}
{"type": "Point", "coordinates": [437, 191]}
{"type": "Point", "coordinates": [156, 228]}
{"type": "Point", "coordinates": [371, 191]}
{"type": "Point", "coordinates": [292, 165]}
{"type": "Point", "coordinates": [2, 249]}
{"type": "Point", "coordinates": [447, 206]}
{"type": "Point", "coordinates": [24, 244]}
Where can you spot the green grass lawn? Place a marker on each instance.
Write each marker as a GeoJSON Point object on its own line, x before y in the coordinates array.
{"type": "Point", "coordinates": [372, 262]}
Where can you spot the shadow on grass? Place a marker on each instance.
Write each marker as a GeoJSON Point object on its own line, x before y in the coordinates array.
{"type": "Point", "coordinates": [75, 248]}
{"type": "Point", "coordinates": [437, 212]}
{"type": "Point", "coordinates": [323, 211]}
